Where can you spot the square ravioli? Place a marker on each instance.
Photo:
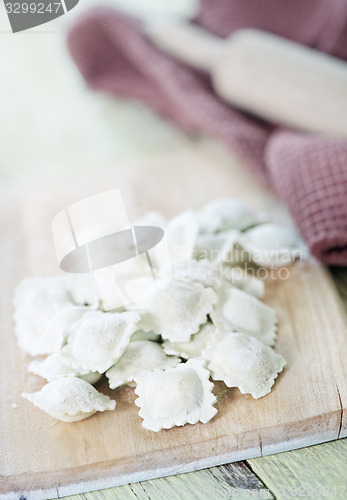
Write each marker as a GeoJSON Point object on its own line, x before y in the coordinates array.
{"type": "Point", "coordinates": [175, 396]}
{"type": "Point", "coordinates": [177, 310]}
{"type": "Point", "coordinates": [240, 360]}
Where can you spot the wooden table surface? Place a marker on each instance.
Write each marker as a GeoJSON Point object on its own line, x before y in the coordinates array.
{"type": "Point", "coordinates": [317, 471]}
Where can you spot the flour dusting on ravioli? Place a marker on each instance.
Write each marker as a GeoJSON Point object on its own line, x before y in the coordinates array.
{"type": "Point", "coordinates": [137, 357]}
{"type": "Point", "coordinates": [36, 300]}
{"type": "Point", "coordinates": [201, 271]}
{"type": "Point", "coordinates": [83, 290]}
{"type": "Point", "coordinates": [216, 247]}
{"type": "Point", "coordinates": [99, 339]}
{"type": "Point", "coordinates": [239, 311]}
{"type": "Point", "coordinates": [70, 399]}
{"type": "Point", "coordinates": [242, 361]}
{"type": "Point", "coordinates": [244, 281]}
{"type": "Point", "coordinates": [177, 310]}
{"type": "Point", "coordinates": [142, 335]}
{"type": "Point", "coordinates": [196, 345]}
{"type": "Point", "coordinates": [56, 366]}
{"type": "Point", "coordinates": [175, 396]}
{"type": "Point", "coordinates": [54, 335]}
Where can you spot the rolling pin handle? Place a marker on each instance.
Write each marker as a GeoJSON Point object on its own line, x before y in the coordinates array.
{"type": "Point", "coordinates": [186, 42]}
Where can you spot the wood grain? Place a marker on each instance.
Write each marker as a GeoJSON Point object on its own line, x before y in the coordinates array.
{"type": "Point", "coordinates": [225, 481]}
{"type": "Point", "coordinates": [321, 469]}
{"type": "Point", "coordinates": [304, 408]}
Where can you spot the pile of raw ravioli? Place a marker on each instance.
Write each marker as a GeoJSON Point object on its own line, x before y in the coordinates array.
{"type": "Point", "coordinates": [207, 322]}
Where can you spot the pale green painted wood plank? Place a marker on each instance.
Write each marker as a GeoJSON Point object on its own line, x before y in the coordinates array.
{"type": "Point", "coordinates": [218, 482]}
{"type": "Point", "coordinates": [317, 467]}
{"type": "Point", "coordinates": [126, 492]}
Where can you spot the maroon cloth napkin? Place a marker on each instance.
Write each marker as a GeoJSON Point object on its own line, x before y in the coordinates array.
{"type": "Point", "coordinates": [309, 172]}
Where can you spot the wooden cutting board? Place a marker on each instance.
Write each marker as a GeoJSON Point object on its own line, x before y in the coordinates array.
{"type": "Point", "coordinates": [44, 458]}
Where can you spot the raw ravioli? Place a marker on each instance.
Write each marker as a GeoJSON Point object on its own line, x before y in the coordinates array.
{"type": "Point", "coordinates": [36, 300]}
{"type": "Point", "coordinates": [175, 396]}
{"type": "Point", "coordinates": [202, 271]}
{"type": "Point", "coordinates": [273, 245]}
{"type": "Point", "coordinates": [54, 335]}
{"type": "Point", "coordinates": [142, 335]}
{"type": "Point", "coordinates": [83, 290]}
{"type": "Point", "coordinates": [239, 311]}
{"type": "Point", "coordinates": [181, 233]}
{"type": "Point", "coordinates": [242, 361]}
{"type": "Point", "coordinates": [138, 356]}
{"type": "Point", "coordinates": [227, 213]}
{"type": "Point", "coordinates": [196, 345]}
{"type": "Point", "coordinates": [70, 399]}
{"type": "Point", "coordinates": [55, 366]}
{"type": "Point", "coordinates": [99, 339]}
{"type": "Point", "coordinates": [245, 281]}
{"type": "Point", "coordinates": [177, 310]}
{"type": "Point", "coordinates": [216, 247]}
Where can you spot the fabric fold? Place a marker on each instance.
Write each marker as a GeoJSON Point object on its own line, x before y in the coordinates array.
{"type": "Point", "coordinates": [309, 172]}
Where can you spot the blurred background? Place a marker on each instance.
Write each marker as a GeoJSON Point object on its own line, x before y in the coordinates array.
{"type": "Point", "coordinates": [51, 123]}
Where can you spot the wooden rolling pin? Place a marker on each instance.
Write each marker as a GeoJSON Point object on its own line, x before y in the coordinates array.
{"type": "Point", "coordinates": [276, 79]}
